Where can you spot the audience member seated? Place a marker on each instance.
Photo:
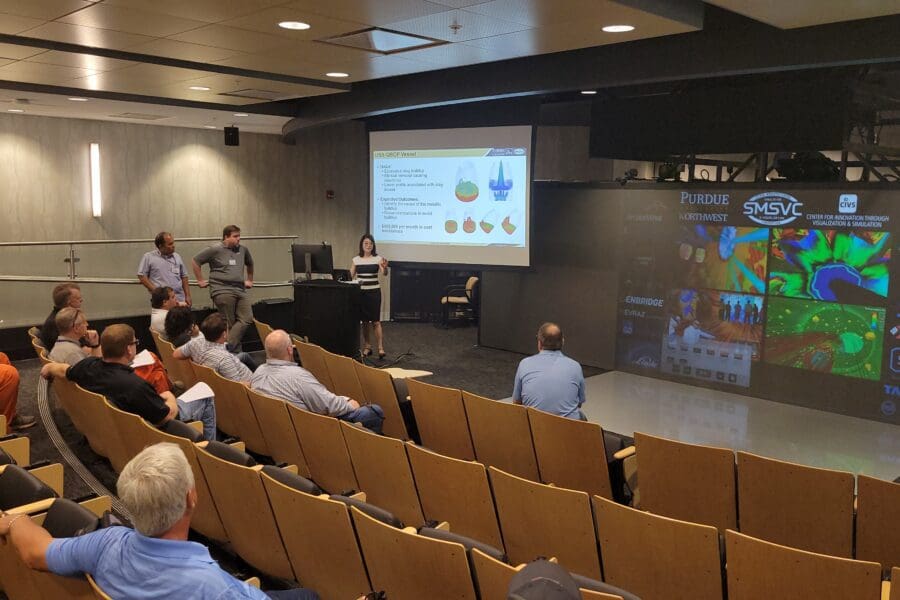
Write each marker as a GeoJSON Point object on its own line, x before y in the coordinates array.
{"type": "Point", "coordinates": [153, 560]}
{"type": "Point", "coordinates": [9, 396]}
{"type": "Point", "coordinates": [179, 326]}
{"type": "Point", "coordinates": [162, 300]}
{"type": "Point", "coordinates": [550, 381]}
{"type": "Point", "coordinates": [281, 377]}
{"type": "Point", "coordinates": [72, 325]}
{"type": "Point", "coordinates": [209, 350]}
{"type": "Point", "coordinates": [65, 294]}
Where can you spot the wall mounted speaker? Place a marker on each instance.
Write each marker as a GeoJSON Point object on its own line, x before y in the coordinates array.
{"type": "Point", "coordinates": [232, 136]}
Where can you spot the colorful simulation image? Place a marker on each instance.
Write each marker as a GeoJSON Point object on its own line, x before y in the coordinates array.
{"type": "Point", "coordinates": [724, 257]}
{"type": "Point", "coordinates": [825, 264]}
{"type": "Point", "coordinates": [840, 339]}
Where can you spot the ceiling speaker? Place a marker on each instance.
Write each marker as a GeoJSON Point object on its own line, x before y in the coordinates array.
{"type": "Point", "coordinates": [232, 136]}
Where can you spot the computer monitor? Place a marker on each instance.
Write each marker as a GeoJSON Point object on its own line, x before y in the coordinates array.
{"type": "Point", "coordinates": [320, 259]}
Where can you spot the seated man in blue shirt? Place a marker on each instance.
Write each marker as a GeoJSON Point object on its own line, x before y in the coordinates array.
{"type": "Point", "coordinates": [550, 381]}
{"type": "Point", "coordinates": [153, 560]}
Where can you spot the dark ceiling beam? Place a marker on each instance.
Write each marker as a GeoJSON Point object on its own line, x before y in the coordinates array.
{"type": "Point", "coordinates": [169, 62]}
{"type": "Point", "coordinates": [728, 45]}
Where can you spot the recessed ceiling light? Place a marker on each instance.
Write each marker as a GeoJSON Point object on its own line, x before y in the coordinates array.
{"type": "Point", "coordinates": [16, 110]}
{"type": "Point", "coordinates": [209, 127]}
{"type": "Point", "coordinates": [78, 99]}
{"type": "Point", "coordinates": [337, 74]}
{"type": "Point", "coordinates": [295, 25]}
{"type": "Point", "coordinates": [618, 28]}
{"type": "Point", "coordinates": [588, 92]}
{"type": "Point", "coordinates": [241, 115]}
{"type": "Point", "coordinates": [199, 88]}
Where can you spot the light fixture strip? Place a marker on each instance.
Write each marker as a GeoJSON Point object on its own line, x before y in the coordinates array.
{"type": "Point", "coordinates": [96, 193]}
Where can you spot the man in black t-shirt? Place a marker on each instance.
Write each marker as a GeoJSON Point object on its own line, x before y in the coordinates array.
{"type": "Point", "coordinates": [112, 377]}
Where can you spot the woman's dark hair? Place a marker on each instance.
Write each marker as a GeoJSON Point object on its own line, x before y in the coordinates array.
{"type": "Point", "coordinates": [178, 321]}
{"type": "Point", "coordinates": [371, 239]}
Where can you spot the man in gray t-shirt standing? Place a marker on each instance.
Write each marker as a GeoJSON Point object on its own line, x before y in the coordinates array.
{"type": "Point", "coordinates": [227, 284]}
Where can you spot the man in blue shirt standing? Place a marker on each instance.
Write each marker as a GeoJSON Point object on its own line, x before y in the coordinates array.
{"type": "Point", "coordinates": [550, 381]}
{"type": "Point", "coordinates": [164, 267]}
{"type": "Point", "coordinates": [154, 560]}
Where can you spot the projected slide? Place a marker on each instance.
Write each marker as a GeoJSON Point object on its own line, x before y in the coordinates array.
{"type": "Point", "coordinates": [724, 257]}
{"type": "Point", "coordinates": [712, 335]}
{"type": "Point", "coordinates": [824, 264]}
{"type": "Point", "coordinates": [452, 195]}
{"type": "Point", "coordinates": [829, 338]}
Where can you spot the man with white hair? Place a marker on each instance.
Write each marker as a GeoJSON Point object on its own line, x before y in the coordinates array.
{"type": "Point", "coordinates": [153, 560]}
{"type": "Point", "coordinates": [281, 377]}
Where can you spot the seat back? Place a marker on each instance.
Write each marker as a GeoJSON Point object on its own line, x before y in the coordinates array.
{"type": "Point", "coordinates": [657, 558]}
{"type": "Point", "coordinates": [67, 394]}
{"type": "Point", "coordinates": [878, 522]}
{"type": "Point", "coordinates": [795, 505]}
{"type": "Point", "coordinates": [134, 434]}
{"type": "Point", "coordinates": [895, 583]}
{"type": "Point", "coordinates": [226, 407]}
{"type": "Point", "coordinates": [378, 387]}
{"type": "Point", "coordinates": [455, 491]}
{"type": "Point", "coordinates": [759, 569]}
{"type": "Point", "coordinates": [543, 520]}
{"type": "Point", "coordinates": [262, 329]}
{"type": "Point", "coordinates": [570, 453]}
{"type": "Point", "coordinates": [686, 481]}
{"type": "Point", "coordinates": [343, 376]}
{"type": "Point", "coordinates": [245, 419]}
{"type": "Point", "coordinates": [325, 450]}
{"type": "Point", "coordinates": [101, 432]}
{"type": "Point", "coordinates": [491, 576]}
{"type": "Point", "coordinates": [242, 502]}
{"type": "Point", "coordinates": [441, 419]}
{"type": "Point", "coordinates": [408, 566]}
{"type": "Point", "coordinates": [179, 370]}
{"type": "Point", "coordinates": [320, 541]}
{"type": "Point", "coordinates": [383, 472]}
{"type": "Point", "coordinates": [278, 431]}
{"type": "Point", "coordinates": [501, 435]}
{"type": "Point", "coordinates": [312, 358]}
{"type": "Point", "coordinates": [18, 449]}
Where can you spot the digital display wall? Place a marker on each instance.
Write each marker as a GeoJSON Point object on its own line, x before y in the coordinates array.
{"type": "Point", "coordinates": [784, 294]}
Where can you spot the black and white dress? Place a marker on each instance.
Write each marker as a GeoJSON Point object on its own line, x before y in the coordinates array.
{"type": "Point", "coordinates": [367, 268]}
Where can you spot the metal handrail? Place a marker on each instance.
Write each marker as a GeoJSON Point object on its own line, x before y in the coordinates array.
{"type": "Point", "coordinates": [141, 240]}
{"type": "Point", "coordinates": [116, 280]}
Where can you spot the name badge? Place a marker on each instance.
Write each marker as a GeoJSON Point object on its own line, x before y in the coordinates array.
{"type": "Point", "coordinates": [176, 271]}
{"type": "Point", "coordinates": [232, 262]}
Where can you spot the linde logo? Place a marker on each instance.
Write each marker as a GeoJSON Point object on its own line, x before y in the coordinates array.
{"type": "Point", "coordinates": [773, 208]}
{"type": "Point", "coordinates": [700, 198]}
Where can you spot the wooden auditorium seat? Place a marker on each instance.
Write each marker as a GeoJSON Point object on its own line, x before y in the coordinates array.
{"type": "Point", "coordinates": [759, 569]}
{"type": "Point", "coordinates": [343, 376]}
{"type": "Point", "coordinates": [383, 472]}
{"type": "Point", "coordinates": [657, 558]}
{"type": "Point", "coordinates": [18, 448]}
{"type": "Point", "coordinates": [543, 520]}
{"type": "Point", "coordinates": [179, 370]}
{"type": "Point", "coordinates": [455, 491]}
{"type": "Point", "coordinates": [878, 522]}
{"type": "Point", "coordinates": [312, 358]}
{"type": "Point", "coordinates": [262, 330]}
{"type": "Point", "coordinates": [378, 387]}
{"type": "Point", "coordinates": [441, 419]}
{"type": "Point", "coordinates": [278, 431]}
{"type": "Point", "coordinates": [325, 450]}
{"type": "Point", "coordinates": [795, 505]}
{"type": "Point", "coordinates": [687, 481]}
{"type": "Point", "coordinates": [227, 412]}
{"type": "Point", "coordinates": [501, 435]}
{"type": "Point", "coordinates": [100, 431]}
{"type": "Point", "coordinates": [131, 429]}
{"type": "Point", "coordinates": [247, 426]}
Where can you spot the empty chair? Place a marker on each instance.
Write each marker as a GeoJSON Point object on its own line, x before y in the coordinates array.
{"type": "Point", "coordinates": [378, 387]}
{"type": "Point", "coordinates": [245, 419]}
{"type": "Point", "coordinates": [570, 453]}
{"type": "Point", "coordinates": [655, 557]}
{"type": "Point", "coordinates": [312, 358]}
{"type": "Point", "coordinates": [325, 450]}
{"type": "Point", "coordinates": [894, 587]}
{"type": "Point", "coordinates": [320, 541]}
{"type": "Point", "coordinates": [227, 413]}
{"type": "Point", "coordinates": [278, 431]}
{"type": "Point", "coordinates": [542, 520]}
{"type": "Point", "coordinates": [455, 491]}
{"type": "Point", "coordinates": [878, 522]}
{"type": "Point", "coordinates": [408, 566]}
{"type": "Point", "coordinates": [383, 472]}
{"type": "Point", "coordinates": [460, 299]}
{"type": "Point", "coordinates": [687, 481]}
{"type": "Point", "coordinates": [501, 435]}
{"type": "Point", "coordinates": [343, 376]}
{"type": "Point", "coordinates": [262, 329]}
{"type": "Point", "coordinates": [441, 419]}
{"type": "Point", "coordinates": [795, 505]}
{"type": "Point", "coordinates": [244, 507]}
{"type": "Point", "coordinates": [759, 569]}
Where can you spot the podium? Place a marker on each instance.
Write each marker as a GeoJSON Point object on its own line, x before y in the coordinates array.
{"type": "Point", "coordinates": [327, 312]}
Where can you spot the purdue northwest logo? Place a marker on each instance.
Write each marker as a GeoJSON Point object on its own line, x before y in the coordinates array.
{"type": "Point", "coordinates": [773, 208]}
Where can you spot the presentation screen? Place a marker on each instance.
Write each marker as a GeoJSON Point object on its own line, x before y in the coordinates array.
{"type": "Point", "coordinates": [452, 196]}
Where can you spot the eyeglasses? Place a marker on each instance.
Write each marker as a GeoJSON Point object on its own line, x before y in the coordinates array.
{"type": "Point", "coordinates": [135, 343]}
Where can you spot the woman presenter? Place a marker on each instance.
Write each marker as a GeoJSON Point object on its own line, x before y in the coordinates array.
{"type": "Point", "coordinates": [366, 266]}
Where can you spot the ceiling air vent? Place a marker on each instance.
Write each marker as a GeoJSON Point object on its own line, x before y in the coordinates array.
{"type": "Point", "coordinates": [139, 116]}
{"type": "Point", "coordinates": [382, 41]}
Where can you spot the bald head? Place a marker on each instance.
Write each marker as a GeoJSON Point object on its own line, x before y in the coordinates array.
{"type": "Point", "coordinates": [279, 346]}
{"type": "Point", "coordinates": [550, 337]}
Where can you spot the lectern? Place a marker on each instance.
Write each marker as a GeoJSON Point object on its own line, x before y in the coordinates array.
{"type": "Point", "coordinates": [327, 312]}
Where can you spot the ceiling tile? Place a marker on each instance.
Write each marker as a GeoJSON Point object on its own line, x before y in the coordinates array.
{"type": "Point", "coordinates": [40, 73]}
{"type": "Point", "coordinates": [471, 26]}
{"type": "Point", "coordinates": [87, 36]}
{"type": "Point", "coordinates": [457, 3]}
{"type": "Point", "coordinates": [537, 13]}
{"type": "Point", "coordinates": [18, 52]}
{"type": "Point", "coordinates": [130, 20]}
{"type": "Point", "coordinates": [372, 12]}
{"type": "Point", "coordinates": [220, 84]}
{"type": "Point", "coordinates": [184, 51]}
{"type": "Point", "coordinates": [382, 66]}
{"type": "Point", "coordinates": [13, 24]}
{"type": "Point", "coordinates": [143, 74]}
{"type": "Point", "coordinates": [448, 56]}
{"type": "Point", "coordinates": [46, 10]}
{"type": "Point", "coordinates": [232, 38]}
{"type": "Point", "coordinates": [209, 11]}
{"type": "Point", "coordinates": [266, 21]}
{"type": "Point", "coordinates": [82, 61]}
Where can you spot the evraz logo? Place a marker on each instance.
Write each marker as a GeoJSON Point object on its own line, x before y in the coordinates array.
{"type": "Point", "coordinates": [773, 208]}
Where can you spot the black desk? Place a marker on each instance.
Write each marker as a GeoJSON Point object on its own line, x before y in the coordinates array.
{"type": "Point", "coordinates": [327, 312]}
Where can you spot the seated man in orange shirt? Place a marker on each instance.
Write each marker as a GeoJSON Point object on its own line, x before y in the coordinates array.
{"type": "Point", "coordinates": [9, 396]}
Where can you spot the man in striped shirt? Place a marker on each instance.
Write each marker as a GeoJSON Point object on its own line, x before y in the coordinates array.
{"type": "Point", "coordinates": [209, 350]}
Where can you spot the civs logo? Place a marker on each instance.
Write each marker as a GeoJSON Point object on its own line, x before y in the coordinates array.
{"type": "Point", "coordinates": [848, 203]}
{"type": "Point", "coordinates": [773, 208]}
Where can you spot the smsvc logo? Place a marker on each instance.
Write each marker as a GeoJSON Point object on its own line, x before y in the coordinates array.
{"type": "Point", "coordinates": [773, 208]}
